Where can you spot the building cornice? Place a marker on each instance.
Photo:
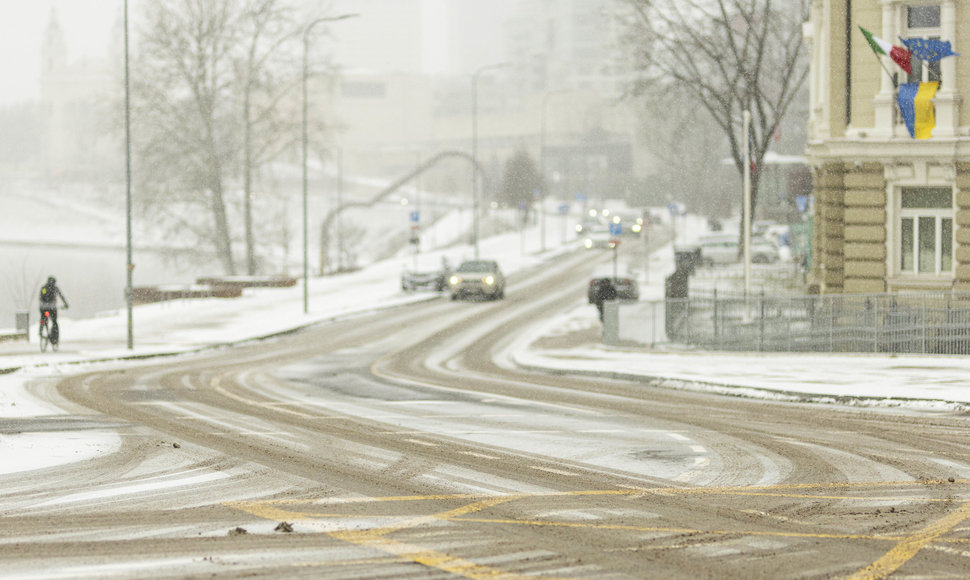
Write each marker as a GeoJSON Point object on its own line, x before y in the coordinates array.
{"type": "Point", "coordinates": [956, 149]}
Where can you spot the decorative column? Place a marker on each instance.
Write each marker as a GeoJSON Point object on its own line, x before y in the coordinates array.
{"type": "Point", "coordinates": [947, 99]}
{"type": "Point", "coordinates": [884, 102]}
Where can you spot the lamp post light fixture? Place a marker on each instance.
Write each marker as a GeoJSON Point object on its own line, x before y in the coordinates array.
{"type": "Point", "coordinates": [306, 263]}
{"type": "Point", "coordinates": [475, 196]}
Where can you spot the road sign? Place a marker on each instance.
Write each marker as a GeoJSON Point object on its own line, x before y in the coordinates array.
{"type": "Point", "coordinates": [616, 229]}
{"type": "Point", "coordinates": [415, 216]}
{"type": "Point", "coordinates": [563, 209]}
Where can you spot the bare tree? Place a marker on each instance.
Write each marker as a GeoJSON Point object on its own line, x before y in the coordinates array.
{"type": "Point", "coordinates": [725, 56]}
{"type": "Point", "coordinates": [187, 135]}
{"type": "Point", "coordinates": [267, 72]}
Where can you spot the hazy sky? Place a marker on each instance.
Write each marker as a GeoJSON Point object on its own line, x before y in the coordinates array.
{"type": "Point", "coordinates": [87, 25]}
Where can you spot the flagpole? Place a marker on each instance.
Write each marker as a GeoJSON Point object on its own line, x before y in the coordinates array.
{"type": "Point", "coordinates": [892, 78]}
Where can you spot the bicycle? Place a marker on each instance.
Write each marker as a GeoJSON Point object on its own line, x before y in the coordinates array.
{"type": "Point", "coordinates": [45, 332]}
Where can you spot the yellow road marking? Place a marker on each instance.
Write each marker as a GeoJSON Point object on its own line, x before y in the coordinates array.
{"type": "Point", "coordinates": [906, 548]}
{"type": "Point", "coordinates": [376, 538]}
{"type": "Point", "coordinates": [656, 529]}
{"type": "Point", "coordinates": [910, 546]}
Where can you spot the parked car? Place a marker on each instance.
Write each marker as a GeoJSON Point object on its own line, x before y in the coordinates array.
{"type": "Point", "coordinates": [723, 249]}
{"type": "Point", "coordinates": [477, 278]}
{"type": "Point", "coordinates": [436, 281]}
{"type": "Point", "coordinates": [627, 287]}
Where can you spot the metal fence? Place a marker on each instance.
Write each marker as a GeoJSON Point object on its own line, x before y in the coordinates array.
{"type": "Point", "coordinates": [929, 322]}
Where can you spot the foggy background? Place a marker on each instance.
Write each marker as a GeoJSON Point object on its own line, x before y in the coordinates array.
{"type": "Point", "coordinates": [548, 85]}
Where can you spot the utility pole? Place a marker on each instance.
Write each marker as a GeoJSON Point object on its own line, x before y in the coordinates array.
{"type": "Point", "coordinates": [129, 264]}
{"type": "Point", "coordinates": [306, 237]}
{"type": "Point", "coordinates": [475, 196]}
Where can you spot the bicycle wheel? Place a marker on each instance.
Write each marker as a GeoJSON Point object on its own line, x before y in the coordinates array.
{"type": "Point", "coordinates": [44, 335]}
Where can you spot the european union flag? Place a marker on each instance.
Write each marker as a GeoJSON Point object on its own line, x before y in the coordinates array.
{"type": "Point", "coordinates": [928, 49]}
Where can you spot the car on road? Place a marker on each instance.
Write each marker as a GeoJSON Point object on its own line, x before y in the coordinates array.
{"type": "Point", "coordinates": [598, 238]}
{"type": "Point", "coordinates": [436, 281]}
{"type": "Point", "coordinates": [723, 249]}
{"type": "Point", "coordinates": [477, 278]}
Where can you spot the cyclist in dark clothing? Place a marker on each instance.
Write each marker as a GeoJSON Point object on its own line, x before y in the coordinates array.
{"type": "Point", "coordinates": [48, 303]}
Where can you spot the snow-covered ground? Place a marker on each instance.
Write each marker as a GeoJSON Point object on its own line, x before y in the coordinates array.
{"type": "Point", "coordinates": [920, 382]}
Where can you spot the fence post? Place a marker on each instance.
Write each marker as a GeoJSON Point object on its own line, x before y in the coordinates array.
{"type": "Point", "coordinates": [656, 319]}
{"type": "Point", "coordinates": [831, 324]}
{"type": "Point", "coordinates": [761, 323]}
{"type": "Point", "coordinates": [717, 334]}
{"type": "Point", "coordinates": [810, 311]}
{"type": "Point", "coordinates": [922, 316]}
{"type": "Point", "coordinates": [873, 306]}
{"type": "Point", "coordinates": [690, 317]}
{"type": "Point", "coordinates": [788, 317]}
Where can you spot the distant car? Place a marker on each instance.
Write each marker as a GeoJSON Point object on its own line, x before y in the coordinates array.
{"type": "Point", "coordinates": [723, 249]}
{"type": "Point", "coordinates": [598, 238]}
{"type": "Point", "coordinates": [627, 287]}
{"type": "Point", "coordinates": [477, 278]}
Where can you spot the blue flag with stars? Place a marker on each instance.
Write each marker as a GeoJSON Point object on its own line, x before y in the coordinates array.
{"type": "Point", "coordinates": [928, 49]}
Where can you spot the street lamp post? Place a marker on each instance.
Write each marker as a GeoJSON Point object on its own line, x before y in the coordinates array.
{"type": "Point", "coordinates": [746, 221]}
{"type": "Point", "coordinates": [306, 262]}
{"type": "Point", "coordinates": [542, 167]}
{"type": "Point", "coordinates": [129, 266]}
{"type": "Point", "coordinates": [475, 200]}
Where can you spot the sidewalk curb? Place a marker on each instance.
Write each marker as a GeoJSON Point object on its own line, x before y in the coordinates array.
{"type": "Point", "coordinates": [220, 345]}
{"type": "Point", "coordinates": [856, 401]}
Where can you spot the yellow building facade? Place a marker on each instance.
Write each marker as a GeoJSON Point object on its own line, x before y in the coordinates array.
{"type": "Point", "coordinates": [892, 213]}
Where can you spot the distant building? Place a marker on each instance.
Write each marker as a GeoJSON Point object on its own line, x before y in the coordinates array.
{"type": "Point", "coordinates": [74, 97]}
{"type": "Point", "coordinates": [385, 37]}
{"type": "Point", "coordinates": [558, 68]}
{"type": "Point", "coordinates": [892, 213]}
{"type": "Point", "coordinates": [563, 45]}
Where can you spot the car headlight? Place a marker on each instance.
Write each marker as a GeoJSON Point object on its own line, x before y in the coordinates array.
{"type": "Point", "coordinates": [588, 243]}
{"type": "Point", "coordinates": [454, 280]}
{"type": "Point", "coordinates": [636, 228]}
{"type": "Point", "coordinates": [489, 280]}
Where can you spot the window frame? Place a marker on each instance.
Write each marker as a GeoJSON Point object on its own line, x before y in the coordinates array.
{"type": "Point", "coordinates": [916, 214]}
{"type": "Point", "coordinates": [932, 71]}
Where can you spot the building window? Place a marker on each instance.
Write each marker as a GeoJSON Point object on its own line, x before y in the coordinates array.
{"type": "Point", "coordinates": [923, 22]}
{"type": "Point", "coordinates": [925, 72]}
{"type": "Point", "coordinates": [922, 17]}
{"type": "Point", "coordinates": [926, 231]}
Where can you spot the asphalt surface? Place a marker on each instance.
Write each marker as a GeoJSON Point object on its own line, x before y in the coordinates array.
{"type": "Point", "coordinates": [403, 445]}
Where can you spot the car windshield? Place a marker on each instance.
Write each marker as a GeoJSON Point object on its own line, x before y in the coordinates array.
{"type": "Point", "coordinates": [476, 266]}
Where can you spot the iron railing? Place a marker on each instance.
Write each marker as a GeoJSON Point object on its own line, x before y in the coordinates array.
{"type": "Point", "coordinates": [930, 322]}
